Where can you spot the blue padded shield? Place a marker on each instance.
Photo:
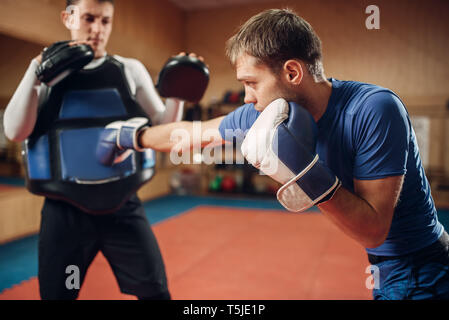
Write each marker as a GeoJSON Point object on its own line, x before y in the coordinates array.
{"type": "Point", "coordinates": [92, 104]}
{"type": "Point", "coordinates": [60, 152]}
{"type": "Point", "coordinates": [149, 158]}
{"type": "Point", "coordinates": [38, 164]}
{"type": "Point", "coordinates": [79, 163]}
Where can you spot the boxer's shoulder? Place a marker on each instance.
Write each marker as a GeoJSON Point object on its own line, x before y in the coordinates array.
{"type": "Point", "coordinates": [131, 63]}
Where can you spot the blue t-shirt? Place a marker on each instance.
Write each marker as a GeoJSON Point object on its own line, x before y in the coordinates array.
{"type": "Point", "coordinates": [366, 134]}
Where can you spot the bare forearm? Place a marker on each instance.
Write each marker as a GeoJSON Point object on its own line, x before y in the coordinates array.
{"type": "Point", "coordinates": [159, 138]}
{"type": "Point", "coordinates": [356, 217]}
{"type": "Point", "coordinates": [181, 135]}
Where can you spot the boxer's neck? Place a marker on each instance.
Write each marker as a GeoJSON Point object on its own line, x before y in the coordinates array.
{"type": "Point", "coordinates": [315, 96]}
{"type": "Point", "coordinates": [96, 62]}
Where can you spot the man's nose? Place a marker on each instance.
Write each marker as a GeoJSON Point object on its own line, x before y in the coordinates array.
{"type": "Point", "coordinates": [96, 26]}
{"type": "Point", "coordinates": [249, 98]}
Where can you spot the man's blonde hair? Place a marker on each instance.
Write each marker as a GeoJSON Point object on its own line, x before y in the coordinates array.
{"type": "Point", "coordinates": [275, 36]}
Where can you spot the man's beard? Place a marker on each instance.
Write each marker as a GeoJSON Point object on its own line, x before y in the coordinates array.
{"type": "Point", "coordinates": [291, 95]}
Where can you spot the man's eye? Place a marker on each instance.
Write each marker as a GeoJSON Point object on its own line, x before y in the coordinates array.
{"type": "Point", "coordinates": [105, 21]}
{"type": "Point", "coordinates": [90, 19]}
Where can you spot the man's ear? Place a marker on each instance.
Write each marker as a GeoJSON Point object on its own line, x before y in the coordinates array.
{"type": "Point", "coordinates": [65, 17]}
{"type": "Point", "coordinates": [293, 71]}
{"type": "Point", "coordinates": [71, 17]}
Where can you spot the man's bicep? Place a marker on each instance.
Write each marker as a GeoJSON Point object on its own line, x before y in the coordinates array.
{"type": "Point", "coordinates": [381, 194]}
{"type": "Point", "coordinates": [381, 138]}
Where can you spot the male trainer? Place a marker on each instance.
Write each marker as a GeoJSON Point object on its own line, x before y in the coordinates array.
{"type": "Point", "coordinates": [67, 96]}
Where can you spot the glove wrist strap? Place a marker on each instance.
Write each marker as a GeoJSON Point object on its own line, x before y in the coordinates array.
{"type": "Point", "coordinates": [330, 195]}
{"type": "Point", "coordinates": [137, 137]}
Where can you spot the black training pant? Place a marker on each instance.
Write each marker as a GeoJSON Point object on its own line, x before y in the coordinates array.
{"type": "Point", "coordinates": [71, 237]}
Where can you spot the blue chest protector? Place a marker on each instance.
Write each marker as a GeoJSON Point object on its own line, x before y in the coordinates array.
{"type": "Point", "coordinates": [60, 153]}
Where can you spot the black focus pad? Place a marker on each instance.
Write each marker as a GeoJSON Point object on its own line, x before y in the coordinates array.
{"type": "Point", "coordinates": [183, 77]}
{"type": "Point", "coordinates": [60, 59]}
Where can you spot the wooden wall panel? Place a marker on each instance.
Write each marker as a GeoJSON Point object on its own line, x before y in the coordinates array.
{"type": "Point", "coordinates": [407, 54]}
{"type": "Point", "coordinates": [19, 214]}
{"type": "Point", "coordinates": [149, 30]}
{"type": "Point", "coordinates": [32, 20]}
{"type": "Point", "coordinates": [15, 59]}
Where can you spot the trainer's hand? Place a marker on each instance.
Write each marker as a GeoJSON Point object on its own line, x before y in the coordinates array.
{"type": "Point", "coordinates": [61, 59]}
{"type": "Point", "coordinates": [38, 58]}
{"type": "Point", "coordinates": [70, 43]}
{"type": "Point", "coordinates": [193, 55]}
{"type": "Point", "coordinates": [281, 143]}
{"type": "Point", "coordinates": [119, 139]}
{"type": "Point", "coordinates": [184, 77]}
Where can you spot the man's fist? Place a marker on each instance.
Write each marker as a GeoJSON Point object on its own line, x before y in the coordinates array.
{"type": "Point", "coordinates": [281, 143]}
{"type": "Point", "coordinates": [119, 139]}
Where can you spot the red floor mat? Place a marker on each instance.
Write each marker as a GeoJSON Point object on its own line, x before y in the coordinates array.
{"type": "Point", "coordinates": [225, 253]}
{"type": "Point", "coordinates": [6, 187]}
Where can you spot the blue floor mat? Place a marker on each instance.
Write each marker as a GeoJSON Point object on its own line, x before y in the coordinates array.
{"type": "Point", "coordinates": [18, 261]}
{"type": "Point", "coordinates": [19, 182]}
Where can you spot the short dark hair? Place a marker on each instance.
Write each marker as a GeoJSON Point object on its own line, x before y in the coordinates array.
{"type": "Point", "coordinates": [73, 2]}
{"type": "Point", "coordinates": [275, 36]}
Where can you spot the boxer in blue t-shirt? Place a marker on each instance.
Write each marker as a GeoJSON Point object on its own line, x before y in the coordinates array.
{"type": "Point", "coordinates": [344, 146]}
